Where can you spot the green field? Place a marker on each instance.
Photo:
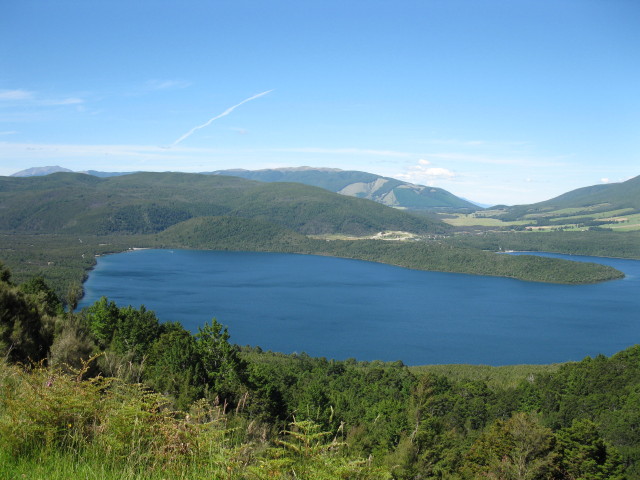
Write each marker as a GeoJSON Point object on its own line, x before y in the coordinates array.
{"type": "Point", "coordinates": [478, 219]}
{"type": "Point", "coordinates": [625, 219]}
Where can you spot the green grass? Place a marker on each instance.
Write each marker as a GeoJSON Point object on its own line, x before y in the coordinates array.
{"type": "Point", "coordinates": [88, 465]}
{"type": "Point", "coordinates": [55, 425]}
{"type": "Point", "coordinates": [471, 219]}
{"type": "Point", "coordinates": [568, 212]}
{"type": "Point", "coordinates": [556, 217]}
{"type": "Point", "coordinates": [631, 223]}
{"type": "Point", "coordinates": [570, 219]}
{"type": "Point", "coordinates": [616, 220]}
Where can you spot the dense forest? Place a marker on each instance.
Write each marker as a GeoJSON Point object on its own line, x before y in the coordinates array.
{"type": "Point", "coordinates": [142, 203]}
{"type": "Point", "coordinates": [113, 392]}
{"type": "Point", "coordinates": [593, 243]}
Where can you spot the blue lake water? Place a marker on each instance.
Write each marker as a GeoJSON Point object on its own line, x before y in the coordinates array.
{"type": "Point", "coordinates": [340, 308]}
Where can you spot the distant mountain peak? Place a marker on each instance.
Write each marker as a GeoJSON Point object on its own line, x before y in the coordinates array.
{"type": "Point", "coordinates": [302, 169]}
{"type": "Point", "coordinates": [388, 191]}
{"type": "Point", "coordinates": [40, 171]}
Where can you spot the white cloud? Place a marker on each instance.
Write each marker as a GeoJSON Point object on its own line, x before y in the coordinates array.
{"type": "Point", "coordinates": [9, 132]}
{"type": "Point", "coordinates": [605, 180]}
{"type": "Point", "coordinates": [18, 94]}
{"type": "Point", "coordinates": [421, 173]}
{"type": "Point", "coordinates": [439, 172]}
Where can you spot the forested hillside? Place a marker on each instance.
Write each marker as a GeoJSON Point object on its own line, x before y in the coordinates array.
{"type": "Point", "coordinates": [152, 202]}
{"type": "Point", "coordinates": [612, 206]}
{"type": "Point", "coordinates": [385, 190]}
{"type": "Point", "coordinates": [111, 391]}
{"type": "Point", "coordinates": [612, 195]}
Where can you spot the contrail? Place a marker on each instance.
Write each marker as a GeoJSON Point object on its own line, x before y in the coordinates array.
{"type": "Point", "coordinates": [223, 114]}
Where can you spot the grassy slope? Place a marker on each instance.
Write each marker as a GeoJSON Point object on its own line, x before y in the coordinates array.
{"type": "Point", "coordinates": [612, 206]}
{"type": "Point", "coordinates": [583, 201]}
{"type": "Point", "coordinates": [620, 195]}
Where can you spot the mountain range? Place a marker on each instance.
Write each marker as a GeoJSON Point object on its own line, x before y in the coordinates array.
{"type": "Point", "coordinates": [152, 202]}
{"type": "Point", "coordinates": [385, 190]}
{"type": "Point", "coordinates": [588, 205]}
{"type": "Point", "coordinates": [40, 171]}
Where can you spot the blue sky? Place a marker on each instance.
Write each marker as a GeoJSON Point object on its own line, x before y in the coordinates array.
{"type": "Point", "coordinates": [509, 101]}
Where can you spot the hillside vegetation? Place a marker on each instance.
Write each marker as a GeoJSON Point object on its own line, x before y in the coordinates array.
{"type": "Point", "coordinates": [614, 206]}
{"type": "Point", "coordinates": [613, 196]}
{"type": "Point", "coordinates": [112, 393]}
{"type": "Point", "coordinates": [593, 243]}
{"type": "Point", "coordinates": [385, 190]}
{"type": "Point", "coordinates": [152, 202]}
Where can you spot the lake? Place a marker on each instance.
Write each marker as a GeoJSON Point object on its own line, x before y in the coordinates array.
{"type": "Point", "coordinates": [340, 308]}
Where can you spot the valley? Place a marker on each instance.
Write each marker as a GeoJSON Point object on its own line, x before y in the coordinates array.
{"type": "Point", "coordinates": [319, 240]}
{"type": "Point", "coordinates": [55, 225]}
{"type": "Point", "coordinates": [114, 365]}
